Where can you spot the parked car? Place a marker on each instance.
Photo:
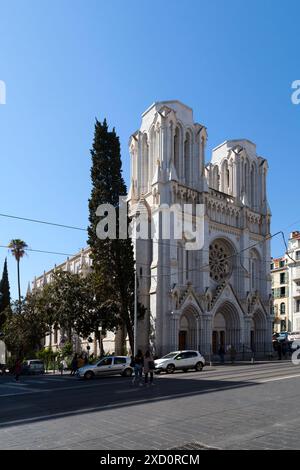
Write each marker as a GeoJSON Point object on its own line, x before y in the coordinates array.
{"type": "Point", "coordinates": [110, 365]}
{"type": "Point", "coordinates": [33, 366]}
{"type": "Point", "coordinates": [294, 335]}
{"type": "Point", "coordinates": [179, 360]}
{"type": "Point", "coordinates": [4, 369]}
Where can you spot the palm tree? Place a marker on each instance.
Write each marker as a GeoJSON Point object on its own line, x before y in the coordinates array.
{"type": "Point", "coordinates": [17, 248]}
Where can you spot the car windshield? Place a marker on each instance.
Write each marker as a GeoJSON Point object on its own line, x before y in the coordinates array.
{"type": "Point", "coordinates": [169, 356]}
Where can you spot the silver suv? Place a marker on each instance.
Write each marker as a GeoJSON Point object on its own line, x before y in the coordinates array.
{"type": "Point", "coordinates": [110, 365]}
{"type": "Point", "coordinates": [33, 366]}
{"type": "Point", "coordinates": [180, 360]}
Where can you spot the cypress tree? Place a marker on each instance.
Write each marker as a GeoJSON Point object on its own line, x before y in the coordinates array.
{"type": "Point", "coordinates": [113, 260]}
{"type": "Point", "coordinates": [5, 294]}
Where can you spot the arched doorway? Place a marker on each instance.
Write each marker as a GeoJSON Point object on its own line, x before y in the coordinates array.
{"type": "Point", "coordinates": [188, 334]}
{"type": "Point", "coordinates": [258, 332]}
{"type": "Point", "coordinates": [226, 327]}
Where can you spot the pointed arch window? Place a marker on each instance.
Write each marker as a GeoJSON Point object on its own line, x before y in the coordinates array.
{"type": "Point", "coordinates": [187, 158]}
{"type": "Point", "coordinates": [145, 166]}
{"type": "Point", "coordinates": [177, 151]}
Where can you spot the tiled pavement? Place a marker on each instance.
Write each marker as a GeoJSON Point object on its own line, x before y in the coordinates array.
{"type": "Point", "coordinates": [229, 408]}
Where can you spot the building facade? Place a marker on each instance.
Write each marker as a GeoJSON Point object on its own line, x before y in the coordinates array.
{"type": "Point", "coordinates": [285, 273]}
{"type": "Point", "coordinates": [293, 263]}
{"type": "Point", "coordinates": [219, 294]}
{"type": "Point", "coordinates": [280, 293]}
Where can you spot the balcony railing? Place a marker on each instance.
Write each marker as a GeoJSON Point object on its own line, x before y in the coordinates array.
{"type": "Point", "coordinates": [280, 296]}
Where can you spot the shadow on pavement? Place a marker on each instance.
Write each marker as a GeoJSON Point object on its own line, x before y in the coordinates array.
{"type": "Point", "coordinates": [37, 407]}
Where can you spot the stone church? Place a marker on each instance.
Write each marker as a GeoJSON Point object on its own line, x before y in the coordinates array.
{"type": "Point", "coordinates": [219, 294]}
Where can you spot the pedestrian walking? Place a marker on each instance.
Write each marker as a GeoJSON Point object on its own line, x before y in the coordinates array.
{"type": "Point", "coordinates": [148, 367]}
{"type": "Point", "coordinates": [221, 353]}
{"type": "Point", "coordinates": [62, 366]}
{"type": "Point", "coordinates": [232, 352]}
{"type": "Point", "coordinates": [284, 348]}
{"type": "Point", "coordinates": [74, 364]}
{"type": "Point", "coordinates": [80, 362]}
{"type": "Point", "coordinates": [138, 363]}
{"type": "Point", "coordinates": [279, 350]}
{"type": "Point", "coordinates": [18, 369]}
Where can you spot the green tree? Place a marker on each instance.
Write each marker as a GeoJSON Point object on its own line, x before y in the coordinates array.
{"type": "Point", "coordinates": [99, 310]}
{"type": "Point", "coordinates": [17, 248]}
{"type": "Point", "coordinates": [77, 304]}
{"type": "Point", "coordinates": [113, 260]}
{"type": "Point", "coordinates": [4, 294]}
{"type": "Point", "coordinates": [24, 328]}
{"type": "Point", "coordinates": [48, 357]}
{"type": "Point", "coordinates": [64, 301]}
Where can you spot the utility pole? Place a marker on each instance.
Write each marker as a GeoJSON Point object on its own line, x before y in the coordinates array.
{"type": "Point", "coordinates": [135, 314]}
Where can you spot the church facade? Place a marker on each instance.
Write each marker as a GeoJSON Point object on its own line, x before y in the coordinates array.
{"type": "Point", "coordinates": [220, 294]}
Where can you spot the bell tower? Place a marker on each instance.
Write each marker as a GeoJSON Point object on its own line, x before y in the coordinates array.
{"type": "Point", "coordinates": [167, 167]}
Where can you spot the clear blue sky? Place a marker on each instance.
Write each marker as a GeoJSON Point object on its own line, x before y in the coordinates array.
{"type": "Point", "coordinates": [66, 62]}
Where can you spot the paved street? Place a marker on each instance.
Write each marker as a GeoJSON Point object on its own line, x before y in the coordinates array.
{"type": "Point", "coordinates": [227, 407]}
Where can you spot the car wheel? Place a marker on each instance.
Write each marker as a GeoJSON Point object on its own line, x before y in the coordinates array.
{"type": "Point", "coordinates": [89, 375]}
{"type": "Point", "coordinates": [199, 366]}
{"type": "Point", "coordinates": [127, 373]}
{"type": "Point", "coordinates": [170, 369]}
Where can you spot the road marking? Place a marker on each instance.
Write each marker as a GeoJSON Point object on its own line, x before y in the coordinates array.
{"type": "Point", "coordinates": [15, 384]}
{"type": "Point", "coordinates": [28, 391]}
{"type": "Point", "coordinates": [16, 392]}
{"type": "Point", "coordinates": [114, 405]}
{"type": "Point", "coordinates": [279, 378]}
{"type": "Point", "coordinates": [229, 374]}
{"type": "Point", "coordinates": [62, 379]}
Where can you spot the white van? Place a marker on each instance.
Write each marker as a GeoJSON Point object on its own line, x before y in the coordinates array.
{"type": "Point", "coordinates": [294, 335]}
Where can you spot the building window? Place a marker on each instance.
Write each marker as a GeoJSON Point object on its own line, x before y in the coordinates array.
{"type": "Point", "coordinates": [282, 308]}
{"type": "Point", "coordinates": [220, 261]}
{"type": "Point", "coordinates": [282, 291]}
{"type": "Point", "coordinates": [298, 255]}
{"type": "Point", "coordinates": [297, 305]}
{"type": "Point", "coordinates": [272, 266]}
{"type": "Point", "coordinates": [281, 264]}
{"type": "Point", "coordinates": [282, 325]}
{"type": "Point", "coordinates": [282, 278]}
{"type": "Point", "coordinates": [227, 179]}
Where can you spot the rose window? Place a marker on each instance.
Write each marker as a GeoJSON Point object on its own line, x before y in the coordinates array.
{"type": "Point", "coordinates": [220, 262]}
